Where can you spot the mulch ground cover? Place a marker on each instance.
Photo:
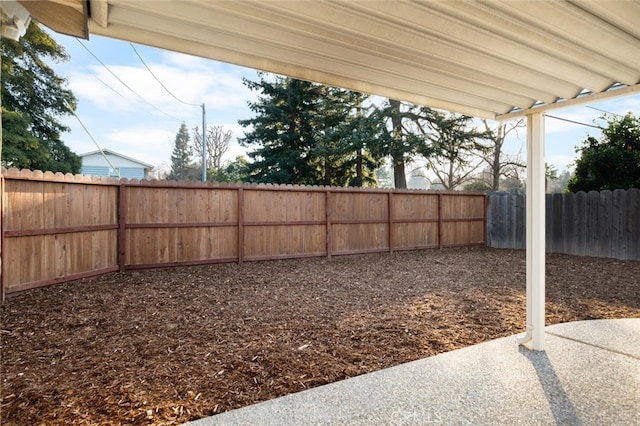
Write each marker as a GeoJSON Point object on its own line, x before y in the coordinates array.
{"type": "Point", "coordinates": [170, 345]}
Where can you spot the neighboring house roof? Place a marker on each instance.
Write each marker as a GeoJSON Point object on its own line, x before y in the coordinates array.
{"type": "Point", "coordinates": [125, 160]}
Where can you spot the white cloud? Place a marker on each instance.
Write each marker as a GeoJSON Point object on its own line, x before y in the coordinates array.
{"type": "Point", "coordinates": [224, 94]}
{"type": "Point", "coordinates": [150, 145]}
{"type": "Point", "coordinates": [561, 162]}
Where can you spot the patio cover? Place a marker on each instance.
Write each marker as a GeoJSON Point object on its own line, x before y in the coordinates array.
{"type": "Point", "coordinates": [490, 59]}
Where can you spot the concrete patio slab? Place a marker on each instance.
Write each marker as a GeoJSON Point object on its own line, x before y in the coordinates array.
{"type": "Point", "coordinates": [588, 375]}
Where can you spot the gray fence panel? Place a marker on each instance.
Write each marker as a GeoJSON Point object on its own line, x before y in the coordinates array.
{"type": "Point", "coordinates": [548, 220]}
{"type": "Point", "coordinates": [604, 224]}
{"type": "Point", "coordinates": [633, 224]}
{"type": "Point", "coordinates": [618, 223]}
{"type": "Point", "coordinates": [520, 203]}
{"type": "Point", "coordinates": [557, 234]}
{"type": "Point", "coordinates": [593, 237]}
{"type": "Point", "coordinates": [568, 224]}
{"type": "Point", "coordinates": [581, 219]}
{"type": "Point", "coordinates": [500, 222]}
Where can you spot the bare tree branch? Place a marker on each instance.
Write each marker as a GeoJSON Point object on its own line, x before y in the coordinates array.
{"type": "Point", "coordinates": [500, 165]}
{"type": "Point", "coordinates": [218, 142]}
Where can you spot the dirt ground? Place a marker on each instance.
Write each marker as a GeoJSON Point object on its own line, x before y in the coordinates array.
{"type": "Point", "coordinates": [171, 345]}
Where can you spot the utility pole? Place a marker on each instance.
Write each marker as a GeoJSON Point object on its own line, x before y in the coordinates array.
{"type": "Point", "coordinates": [204, 145]}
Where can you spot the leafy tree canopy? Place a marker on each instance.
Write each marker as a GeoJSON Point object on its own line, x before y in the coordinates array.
{"type": "Point", "coordinates": [454, 149]}
{"type": "Point", "coordinates": [34, 98]}
{"type": "Point", "coordinates": [611, 162]}
{"type": "Point", "coordinates": [231, 171]}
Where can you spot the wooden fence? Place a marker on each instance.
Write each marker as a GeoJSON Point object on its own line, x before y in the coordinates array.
{"type": "Point", "coordinates": [602, 224]}
{"type": "Point", "coordinates": [58, 228]}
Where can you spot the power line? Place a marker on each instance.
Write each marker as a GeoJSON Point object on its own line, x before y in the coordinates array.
{"type": "Point", "coordinates": [574, 122]}
{"type": "Point", "coordinates": [158, 80]}
{"type": "Point", "coordinates": [606, 112]}
{"type": "Point", "coordinates": [93, 140]}
{"type": "Point", "coordinates": [110, 87]}
{"type": "Point", "coordinates": [204, 137]}
{"type": "Point", "coordinates": [122, 82]}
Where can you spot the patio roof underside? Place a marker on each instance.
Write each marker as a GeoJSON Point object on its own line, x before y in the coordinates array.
{"type": "Point", "coordinates": [485, 59]}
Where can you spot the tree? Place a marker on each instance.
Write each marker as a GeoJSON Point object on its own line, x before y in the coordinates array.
{"type": "Point", "coordinates": [477, 185]}
{"type": "Point", "coordinates": [453, 149]}
{"type": "Point", "coordinates": [399, 148]}
{"type": "Point", "coordinates": [344, 132]}
{"type": "Point", "coordinates": [611, 162]}
{"type": "Point", "coordinates": [232, 171]}
{"type": "Point", "coordinates": [305, 133]}
{"type": "Point", "coordinates": [181, 166]}
{"type": "Point", "coordinates": [400, 141]}
{"type": "Point", "coordinates": [218, 141]}
{"type": "Point", "coordinates": [550, 175]}
{"type": "Point", "coordinates": [282, 130]}
{"type": "Point", "coordinates": [33, 100]}
{"type": "Point", "coordinates": [500, 166]}
{"type": "Point", "coordinates": [559, 183]}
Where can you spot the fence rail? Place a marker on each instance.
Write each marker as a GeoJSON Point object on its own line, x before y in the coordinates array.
{"type": "Point", "coordinates": [58, 227]}
{"type": "Point", "coordinates": [601, 224]}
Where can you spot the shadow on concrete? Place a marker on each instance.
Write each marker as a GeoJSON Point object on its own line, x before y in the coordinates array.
{"type": "Point", "coordinates": [562, 408]}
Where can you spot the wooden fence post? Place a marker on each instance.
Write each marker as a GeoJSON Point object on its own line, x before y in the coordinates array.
{"type": "Point", "coordinates": [122, 206]}
{"type": "Point", "coordinates": [440, 221]}
{"type": "Point", "coordinates": [484, 215]}
{"type": "Point", "coordinates": [2, 245]}
{"type": "Point", "coordinates": [390, 215]}
{"type": "Point", "coordinates": [329, 231]}
{"type": "Point", "coordinates": [240, 225]}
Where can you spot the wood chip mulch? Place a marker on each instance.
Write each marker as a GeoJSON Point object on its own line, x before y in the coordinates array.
{"type": "Point", "coordinates": [170, 345]}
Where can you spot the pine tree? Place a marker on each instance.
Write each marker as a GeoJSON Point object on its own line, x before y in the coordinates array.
{"type": "Point", "coordinates": [306, 133]}
{"type": "Point", "coordinates": [181, 166]}
{"type": "Point", "coordinates": [283, 131]}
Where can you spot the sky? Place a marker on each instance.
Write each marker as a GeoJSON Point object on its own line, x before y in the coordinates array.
{"type": "Point", "coordinates": [126, 110]}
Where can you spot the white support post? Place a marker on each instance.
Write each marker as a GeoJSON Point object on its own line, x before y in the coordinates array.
{"type": "Point", "coordinates": [536, 230]}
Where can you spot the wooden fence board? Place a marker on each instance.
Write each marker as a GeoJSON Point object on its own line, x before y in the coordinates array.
{"type": "Point", "coordinates": [363, 237]}
{"type": "Point", "coordinates": [49, 256]}
{"type": "Point", "coordinates": [415, 235]}
{"type": "Point", "coordinates": [407, 206]}
{"type": "Point", "coordinates": [463, 233]}
{"type": "Point", "coordinates": [60, 245]}
{"type": "Point", "coordinates": [359, 206]}
{"type": "Point", "coordinates": [11, 264]}
{"type": "Point", "coordinates": [263, 242]}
